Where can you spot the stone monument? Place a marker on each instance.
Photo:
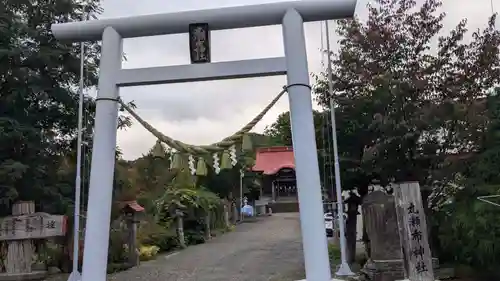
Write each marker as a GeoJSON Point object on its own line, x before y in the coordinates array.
{"type": "Point", "coordinates": [385, 260]}
{"type": "Point", "coordinates": [417, 258]}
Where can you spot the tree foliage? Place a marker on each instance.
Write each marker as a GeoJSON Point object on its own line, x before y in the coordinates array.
{"type": "Point", "coordinates": [420, 103]}
{"type": "Point", "coordinates": [467, 232]}
{"type": "Point", "coordinates": [413, 103]}
{"type": "Point", "coordinates": [38, 100]}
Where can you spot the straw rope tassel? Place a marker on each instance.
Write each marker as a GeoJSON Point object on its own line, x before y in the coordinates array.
{"type": "Point", "coordinates": [201, 167]}
{"type": "Point", "coordinates": [225, 161]}
{"type": "Point", "coordinates": [176, 161]}
{"type": "Point", "coordinates": [158, 150]}
{"type": "Point", "coordinates": [246, 143]}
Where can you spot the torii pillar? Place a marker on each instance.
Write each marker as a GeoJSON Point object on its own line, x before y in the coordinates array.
{"type": "Point", "coordinates": [291, 15]}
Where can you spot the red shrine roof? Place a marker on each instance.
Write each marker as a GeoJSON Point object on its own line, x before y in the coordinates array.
{"type": "Point", "coordinates": [133, 205]}
{"type": "Point", "coordinates": [269, 160]}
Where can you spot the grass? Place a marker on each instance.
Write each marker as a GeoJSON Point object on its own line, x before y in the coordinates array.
{"type": "Point", "coordinates": [334, 256]}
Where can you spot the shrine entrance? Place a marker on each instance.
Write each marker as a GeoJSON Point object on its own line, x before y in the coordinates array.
{"type": "Point", "coordinates": [284, 185]}
{"type": "Point", "coordinates": [279, 187]}
{"type": "Point", "coordinates": [199, 24]}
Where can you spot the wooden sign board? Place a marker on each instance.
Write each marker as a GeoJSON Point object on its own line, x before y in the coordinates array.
{"type": "Point", "coordinates": [32, 226]}
{"type": "Point", "coordinates": [199, 42]}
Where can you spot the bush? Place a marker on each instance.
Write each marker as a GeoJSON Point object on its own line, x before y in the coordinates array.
{"type": "Point", "coordinates": [335, 258]}
{"type": "Point", "coordinates": [162, 235]}
{"type": "Point", "coordinates": [194, 237]}
{"type": "Point", "coordinates": [467, 234]}
{"type": "Point", "coordinates": [52, 253]}
{"type": "Point", "coordinates": [166, 240]}
{"type": "Point", "coordinates": [361, 258]}
{"type": "Point", "coordinates": [117, 252]}
{"type": "Point", "coordinates": [148, 252]}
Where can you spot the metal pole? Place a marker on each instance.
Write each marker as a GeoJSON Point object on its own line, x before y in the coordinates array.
{"type": "Point", "coordinates": [314, 239]}
{"type": "Point", "coordinates": [75, 274]}
{"type": "Point", "coordinates": [241, 195]}
{"type": "Point", "coordinates": [95, 256]}
{"type": "Point", "coordinates": [344, 269]}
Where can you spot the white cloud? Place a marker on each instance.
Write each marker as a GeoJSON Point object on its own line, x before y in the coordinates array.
{"type": "Point", "coordinates": [206, 112]}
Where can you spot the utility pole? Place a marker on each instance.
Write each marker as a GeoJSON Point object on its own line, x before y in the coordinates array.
{"type": "Point", "coordinates": [344, 269]}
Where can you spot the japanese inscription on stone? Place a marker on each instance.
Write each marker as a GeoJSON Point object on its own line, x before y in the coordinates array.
{"type": "Point", "coordinates": [32, 226]}
{"type": "Point", "coordinates": [411, 217]}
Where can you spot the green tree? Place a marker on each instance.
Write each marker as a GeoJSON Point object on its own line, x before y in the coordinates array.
{"type": "Point", "coordinates": [410, 105]}
{"type": "Point", "coordinates": [280, 132]}
{"type": "Point", "coordinates": [467, 232]}
{"type": "Point", "coordinates": [423, 102]}
{"type": "Point", "coordinates": [39, 103]}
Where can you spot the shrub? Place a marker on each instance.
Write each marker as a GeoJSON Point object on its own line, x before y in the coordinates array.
{"type": "Point", "coordinates": [194, 237]}
{"type": "Point", "coordinates": [148, 252]}
{"type": "Point", "coordinates": [117, 252]}
{"type": "Point", "coordinates": [162, 235]}
{"type": "Point", "coordinates": [361, 258]}
{"type": "Point", "coordinates": [467, 234]}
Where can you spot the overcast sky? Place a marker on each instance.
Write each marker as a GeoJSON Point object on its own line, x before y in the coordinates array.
{"type": "Point", "coordinates": [202, 113]}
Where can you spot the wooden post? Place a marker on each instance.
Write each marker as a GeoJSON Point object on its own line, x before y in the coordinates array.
{"type": "Point", "coordinates": [273, 192]}
{"type": "Point", "coordinates": [207, 226]}
{"type": "Point", "coordinates": [180, 230]}
{"type": "Point", "coordinates": [226, 216]}
{"type": "Point", "coordinates": [20, 252]}
{"type": "Point", "coordinates": [412, 225]}
{"type": "Point", "coordinates": [133, 257]}
{"type": "Point", "coordinates": [235, 213]}
{"type": "Point", "coordinates": [69, 250]}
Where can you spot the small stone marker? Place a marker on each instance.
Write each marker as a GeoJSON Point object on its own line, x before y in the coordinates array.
{"type": "Point", "coordinates": [412, 224]}
{"type": "Point", "coordinates": [379, 215]}
{"type": "Point", "coordinates": [19, 230]}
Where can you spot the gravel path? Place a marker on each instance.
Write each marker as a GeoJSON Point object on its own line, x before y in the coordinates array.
{"type": "Point", "coordinates": [255, 251]}
{"type": "Point", "coordinates": [267, 249]}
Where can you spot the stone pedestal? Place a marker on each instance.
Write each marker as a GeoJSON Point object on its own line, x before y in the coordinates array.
{"type": "Point", "coordinates": [384, 270]}
{"type": "Point", "coordinates": [387, 270]}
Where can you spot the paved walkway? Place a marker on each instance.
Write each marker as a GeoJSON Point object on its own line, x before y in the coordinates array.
{"type": "Point", "coordinates": [255, 251]}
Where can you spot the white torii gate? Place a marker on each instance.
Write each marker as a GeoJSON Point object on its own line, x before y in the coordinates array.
{"type": "Point", "coordinates": [291, 15]}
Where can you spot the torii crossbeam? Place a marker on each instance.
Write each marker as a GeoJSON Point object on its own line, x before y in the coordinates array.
{"type": "Point", "coordinates": [291, 15]}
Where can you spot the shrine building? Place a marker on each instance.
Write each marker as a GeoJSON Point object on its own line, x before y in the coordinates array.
{"type": "Point", "coordinates": [279, 187]}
